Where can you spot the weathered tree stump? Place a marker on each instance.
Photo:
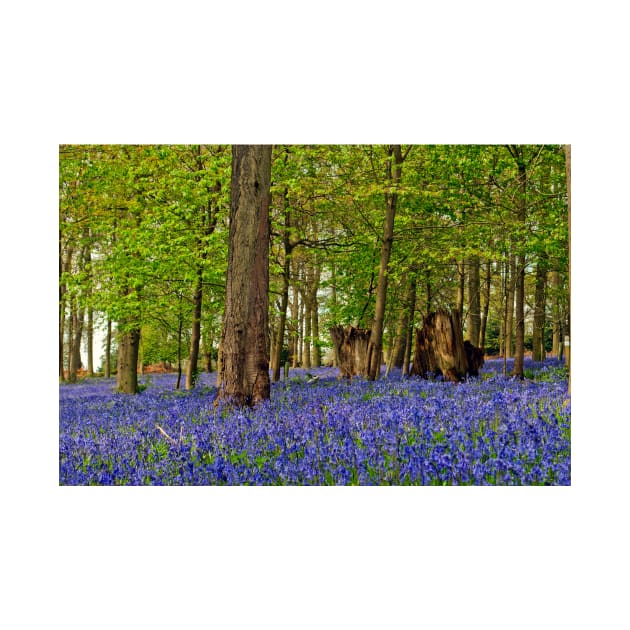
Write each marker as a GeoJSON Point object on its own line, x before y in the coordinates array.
{"type": "Point", "coordinates": [440, 347]}
{"type": "Point", "coordinates": [351, 345]}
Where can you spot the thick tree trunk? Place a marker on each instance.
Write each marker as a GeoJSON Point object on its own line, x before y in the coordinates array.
{"type": "Point", "coordinates": [127, 371]}
{"type": "Point", "coordinates": [352, 349]}
{"type": "Point", "coordinates": [245, 337]}
{"type": "Point", "coordinates": [440, 347]}
{"type": "Point", "coordinates": [391, 199]}
{"type": "Point", "coordinates": [519, 349]}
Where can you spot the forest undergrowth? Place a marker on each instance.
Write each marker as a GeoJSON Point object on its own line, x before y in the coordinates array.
{"type": "Point", "coordinates": [318, 430]}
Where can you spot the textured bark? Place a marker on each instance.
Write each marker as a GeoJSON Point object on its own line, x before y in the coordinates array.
{"type": "Point", "coordinates": [245, 337]}
{"type": "Point", "coordinates": [391, 200]}
{"type": "Point", "coordinates": [556, 318]}
{"type": "Point", "coordinates": [195, 336]}
{"type": "Point", "coordinates": [474, 301]}
{"type": "Point", "coordinates": [440, 347]}
{"type": "Point", "coordinates": [108, 349]}
{"type": "Point", "coordinates": [567, 152]}
{"type": "Point", "coordinates": [519, 347]}
{"type": "Point", "coordinates": [127, 372]}
{"type": "Point", "coordinates": [540, 298]}
{"type": "Point", "coordinates": [486, 305]}
{"type": "Point", "coordinates": [90, 342]}
{"type": "Point", "coordinates": [352, 349]}
{"type": "Point", "coordinates": [75, 353]}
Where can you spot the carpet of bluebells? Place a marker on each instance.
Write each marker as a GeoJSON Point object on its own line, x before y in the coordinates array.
{"type": "Point", "coordinates": [317, 430]}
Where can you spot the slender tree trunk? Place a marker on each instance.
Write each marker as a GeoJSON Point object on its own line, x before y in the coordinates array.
{"type": "Point", "coordinates": [308, 321]}
{"type": "Point", "coordinates": [90, 342]}
{"type": "Point", "coordinates": [567, 151]}
{"type": "Point", "coordinates": [391, 199]}
{"type": "Point", "coordinates": [509, 322]}
{"type": "Point", "coordinates": [108, 349]}
{"type": "Point", "coordinates": [486, 305]}
{"type": "Point", "coordinates": [519, 351]}
{"type": "Point", "coordinates": [75, 356]}
{"type": "Point", "coordinates": [245, 366]}
{"type": "Point", "coordinates": [411, 307]}
{"type": "Point", "coordinates": [555, 310]}
{"type": "Point", "coordinates": [195, 337]}
{"type": "Point", "coordinates": [540, 299]}
{"type": "Point", "coordinates": [295, 332]}
{"type": "Point", "coordinates": [474, 301]}
{"type": "Point", "coordinates": [461, 284]}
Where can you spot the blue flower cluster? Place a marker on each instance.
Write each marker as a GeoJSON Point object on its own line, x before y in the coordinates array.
{"type": "Point", "coordinates": [488, 431]}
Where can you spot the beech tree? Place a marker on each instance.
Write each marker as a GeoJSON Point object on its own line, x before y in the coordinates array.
{"type": "Point", "coordinates": [244, 372]}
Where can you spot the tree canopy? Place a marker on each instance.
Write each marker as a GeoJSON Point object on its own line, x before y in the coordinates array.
{"type": "Point", "coordinates": [482, 229]}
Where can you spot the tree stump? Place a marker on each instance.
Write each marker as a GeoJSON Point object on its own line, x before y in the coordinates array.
{"type": "Point", "coordinates": [474, 358]}
{"type": "Point", "coordinates": [440, 347]}
{"type": "Point", "coordinates": [351, 345]}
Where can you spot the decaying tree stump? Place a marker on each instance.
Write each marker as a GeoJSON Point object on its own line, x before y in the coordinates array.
{"type": "Point", "coordinates": [351, 345]}
{"type": "Point", "coordinates": [474, 357]}
{"type": "Point", "coordinates": [440, 347]}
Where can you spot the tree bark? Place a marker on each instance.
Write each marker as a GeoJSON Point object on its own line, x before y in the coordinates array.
{"type": "Point", "coordinates": [195, 336]}
{"type": "Point", "coordinates": [352, 349]}
{"type": "Point", "coordinates": [108, 349]}
{"type": "Point", "coordinates": [391, 199]}
{"type": "Point", "coordinates": [486, 305]}
{"type": "Point", "coordinates": [127, 370]}
{"type": "Point", "coordinates": [90, 342]}
{"type": "Point", "coordinates": [245, 336]}
{"type": "Point", "coordinates": [474, 301]}
{"type": "Point", "coordinates": [440, 347]}
{"type": "Point", "coordinates": [540, 299]}
{"type": "Point", "coordinates": [567, 151]}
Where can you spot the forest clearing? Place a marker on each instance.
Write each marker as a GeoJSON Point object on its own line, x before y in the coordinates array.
{"type": "Point", "coordinates": [240, 271]}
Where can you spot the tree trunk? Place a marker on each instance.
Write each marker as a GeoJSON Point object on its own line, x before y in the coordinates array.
{"type": "Point", "coordinates": [245, 337]}
{"type": "Point", "coordinates": [75, 355]}
{"type": "Point", "coordinates": [509, 307]}
{"type": "Point", "coordinates": [108, 349]}
{"type": "Point", "coordinates": [555, 312]}
{"type": "Point", "coordinates": [519, 349]}
{"type": "Point", "coordinates": [90, 342]}
{"type": "Point", "coordinates": [440, 347]}
{"type": "Point", "coordinates": [352, 349]}
{"type": "Point", "coordinates": [391, 200]}
{"type": "Point", "coordinates": [486, 305]}
{"type": "Point", "coordinates": [567, 151]}
{"type": "Point", "coordinates": [461, 285]}
{"type": "Point", "coordinates": [411, 307]}
{"type": "Point", "coordinates": [474, 301]}
{"type": "Point", "coordinates": [195, 337]}
{"type": "Point", "coordinates": [295, 333]}
{"type": "Point", "coordinates": [127, 370]}
{"type": "Point", "coordinates": [540, 298]}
